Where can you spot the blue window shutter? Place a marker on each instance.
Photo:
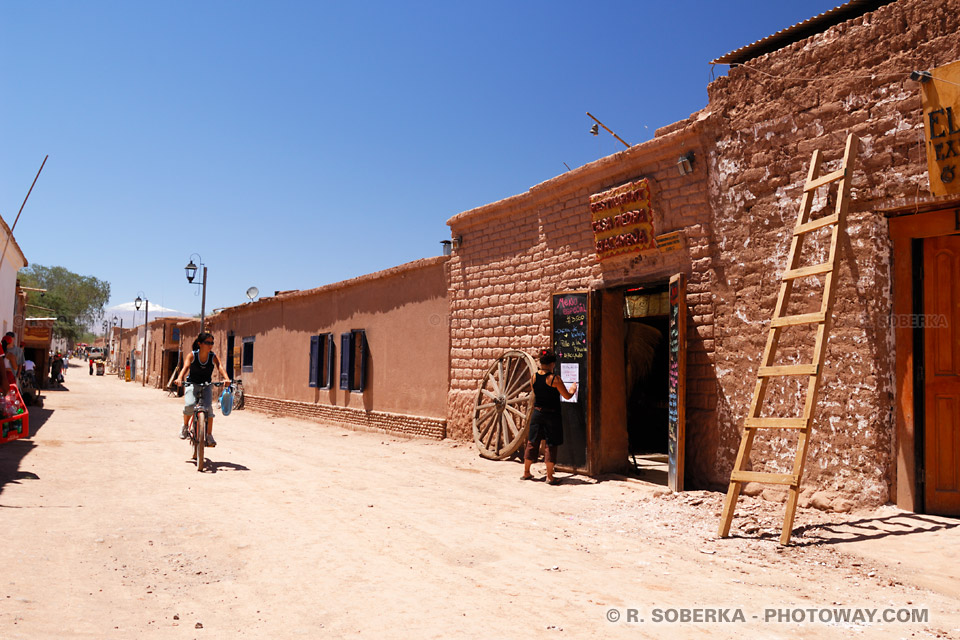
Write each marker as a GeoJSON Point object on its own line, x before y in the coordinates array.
{"type": "Point", "coordinates": [314, 359]}
{"type": "Point", "coordinates": [346, 359]}
{"type": "Point", "coordinates": [328, 339]}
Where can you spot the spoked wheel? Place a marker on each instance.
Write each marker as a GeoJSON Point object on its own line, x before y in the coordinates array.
{"type": "Point", "coordinates": [504, 404]}
{"type": "Point", "coordinates": [201, 438]}
{"type": "Point", "coordinates": [238, 399]}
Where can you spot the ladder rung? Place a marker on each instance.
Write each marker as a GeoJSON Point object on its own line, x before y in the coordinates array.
{"type": "Point", "coordinates": [802, 272]}
{"type": "Point", "coordinates": [813, 225]}
{"type": "Point", "coordinates": [764, 478]}
{"type": "Point", "coordinates": [775, 423]}
{"type": "Point", "coordinates": [827, 179]}
{"type": "Point", "coordinates": [805, 318]}
{"type": "Point", "coordinates": [788, 370]}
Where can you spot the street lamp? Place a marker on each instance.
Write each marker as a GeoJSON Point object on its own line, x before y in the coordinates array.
{"type": "Point", "coordinates": [116, 352]}
{"type": "Point", "coordinates": [146, 334]}
{"type": "Point", "coordinates": [191, 270]}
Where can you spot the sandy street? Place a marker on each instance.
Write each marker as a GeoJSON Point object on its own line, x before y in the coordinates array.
{"type": "Point", "coordinates": [305, 530]}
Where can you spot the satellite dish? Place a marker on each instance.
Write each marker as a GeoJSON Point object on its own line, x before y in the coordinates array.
{"type": "Point", "coordinates": [253, 292]}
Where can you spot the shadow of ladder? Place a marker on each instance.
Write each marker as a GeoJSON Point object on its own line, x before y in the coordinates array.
{"type": "Point", "coordinates": [812, 371]}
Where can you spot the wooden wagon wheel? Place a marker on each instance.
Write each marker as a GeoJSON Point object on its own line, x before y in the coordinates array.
{"type": "Point", "coordinates": [501, 413]}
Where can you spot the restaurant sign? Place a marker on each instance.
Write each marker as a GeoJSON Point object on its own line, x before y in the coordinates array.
{"type": "Point", "coordinates": [941, 124]}
{"type": "Point", "coordinates": [622, 219]}
{"type": "Point", "coordinates": [33, 335]}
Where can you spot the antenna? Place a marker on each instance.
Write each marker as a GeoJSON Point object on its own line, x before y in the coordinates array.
{"type": "Point", "coordinates": [253, 292]}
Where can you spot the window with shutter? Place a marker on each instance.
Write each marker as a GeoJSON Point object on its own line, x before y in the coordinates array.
{"type": "Point", "coordinates": [314, 360]}
{"type": "Point", "coordinates": [346, 359]}
{"type": "Point", "coordinates": [328, 359]}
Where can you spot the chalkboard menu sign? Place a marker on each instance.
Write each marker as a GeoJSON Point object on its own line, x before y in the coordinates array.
{"type": "Point", "coordinates": [675, 381]}
{"type": "Point", "coordinates": [570, 330]}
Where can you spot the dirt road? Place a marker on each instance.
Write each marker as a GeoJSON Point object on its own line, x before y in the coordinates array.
{"type": "Point", "coordinates": [305, 530]}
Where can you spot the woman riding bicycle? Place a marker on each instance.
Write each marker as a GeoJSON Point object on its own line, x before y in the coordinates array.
{"type": "Point", "coordinates": [198, 369]}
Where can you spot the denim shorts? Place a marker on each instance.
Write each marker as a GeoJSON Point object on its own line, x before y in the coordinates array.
{"type": "Point", "coordinates": [190, 399]}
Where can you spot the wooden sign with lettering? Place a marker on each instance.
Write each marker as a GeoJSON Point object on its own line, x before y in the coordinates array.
{"type": "Point", "coordinates": [623, 220]}
{"type": "Point", "coordinates": [941, 126]}
{"type": "Point", "coordinates": [33, 335]}
{"type": "Point", "coordinates": [669, 242]}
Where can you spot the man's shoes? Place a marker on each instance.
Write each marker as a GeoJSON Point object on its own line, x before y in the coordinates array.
{"type": "Point", "coordinates": [184, 433]}
{"type": "Point", "coordinates": [210, 441]}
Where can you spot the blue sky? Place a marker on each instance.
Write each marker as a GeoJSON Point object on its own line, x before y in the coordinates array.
{"type": "Point", "coordinates": [293, 144]}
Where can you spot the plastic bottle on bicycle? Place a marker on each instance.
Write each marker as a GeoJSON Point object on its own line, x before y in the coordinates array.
{"type": "Point", "coordinates": [198, 368]}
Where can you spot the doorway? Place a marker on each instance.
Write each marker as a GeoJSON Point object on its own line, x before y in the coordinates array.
{"type": "Point", "coordinates": [230, 364]}
{"type": "Point", "coordinates": [646, 373]}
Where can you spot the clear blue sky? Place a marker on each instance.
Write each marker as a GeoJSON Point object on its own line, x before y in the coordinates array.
{"type": "Point", "coordinates": [297, 143]}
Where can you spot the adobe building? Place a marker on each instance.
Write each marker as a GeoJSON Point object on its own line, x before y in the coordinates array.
{"type": "Point", "coordinates": [709, 205]}
{"type": "Point", "coordinates": [37, 338]}
{"type": "Point", "coordinates": [166, 338]}
{"type": "Point", "coordinates": [371, 352]}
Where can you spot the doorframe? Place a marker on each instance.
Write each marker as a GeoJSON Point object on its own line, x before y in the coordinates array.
{"type": "Point", "coordinates": [907, 233]}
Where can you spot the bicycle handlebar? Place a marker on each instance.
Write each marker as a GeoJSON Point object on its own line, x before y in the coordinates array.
{"type": "Point", "coordinates": [204, 384]}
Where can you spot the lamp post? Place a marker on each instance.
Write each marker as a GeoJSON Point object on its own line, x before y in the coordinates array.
{"type": "Point", "coordinates": [117, 352]}
{"type": "Point", "coordinates": [146, 334]}
{"type": "Point", "coordinates": [191, 270]}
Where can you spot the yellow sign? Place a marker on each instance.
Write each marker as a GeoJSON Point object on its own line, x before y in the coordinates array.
{"type": "Point", "coordinates": [668, 242]}
{"type": "Point", "coordinates": [623, 221]}
{"type": "Point", "coordinates": [941, 125]}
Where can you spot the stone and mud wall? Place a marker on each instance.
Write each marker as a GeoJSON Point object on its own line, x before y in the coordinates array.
{"type": "Point", "coordinates": [766, 117]}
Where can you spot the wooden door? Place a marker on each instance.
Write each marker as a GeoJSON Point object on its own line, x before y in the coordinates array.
{"type": "Point", "coordinates": [941, 337]}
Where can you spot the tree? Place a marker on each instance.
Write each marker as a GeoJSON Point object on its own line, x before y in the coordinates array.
{"type": "Point", "coordinates": [75, 301]}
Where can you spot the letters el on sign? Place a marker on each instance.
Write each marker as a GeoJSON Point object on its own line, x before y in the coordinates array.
{"type": "Point", "coordinates": [623, 220]}
{"type": "Point", "coordinates": [941, 125]}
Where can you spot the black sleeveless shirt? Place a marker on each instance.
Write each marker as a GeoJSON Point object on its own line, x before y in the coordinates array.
{"type": "Point", "coordinates": [545, 396]}
{"type": "Point", "coordinates": [200, 372]}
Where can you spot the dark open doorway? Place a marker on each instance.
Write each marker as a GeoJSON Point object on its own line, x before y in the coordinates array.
{"type": "Point", "coordinates": [646, 362]}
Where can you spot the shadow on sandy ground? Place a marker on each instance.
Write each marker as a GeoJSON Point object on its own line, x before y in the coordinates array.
{"type": "Point", "coordinates": [901, 524]}
{"type": "Point", "coordinates": [11, 456]}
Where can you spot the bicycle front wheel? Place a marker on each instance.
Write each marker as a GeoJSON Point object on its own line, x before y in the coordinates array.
{"type": "Point", "coordinates": [201, 431]}
{"type": "Point", "coordinates": [238, 399]}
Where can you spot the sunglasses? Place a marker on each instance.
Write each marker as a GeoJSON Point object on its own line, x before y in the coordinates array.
{"type": "Point", "coordinates": [208, 342]}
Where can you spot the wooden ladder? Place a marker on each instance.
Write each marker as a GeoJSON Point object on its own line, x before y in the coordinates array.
{"type": "Point", "coordinates": [768, 369]}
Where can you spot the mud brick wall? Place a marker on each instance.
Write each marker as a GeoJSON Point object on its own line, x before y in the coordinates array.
{"type": "Point", "coordinates": [517, 252]}
{"type": "Point", "coordinates": [767, 116]}
{"type": "Point", "coordinates": [394, 423]}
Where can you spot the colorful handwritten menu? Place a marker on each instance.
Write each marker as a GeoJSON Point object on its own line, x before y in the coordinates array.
{"type": "Point", "coordinates": [570, 334]}
{"type": "Point", "coordinates": [570, 327]}
{"type": "Point", "coordinates": [677, 372]}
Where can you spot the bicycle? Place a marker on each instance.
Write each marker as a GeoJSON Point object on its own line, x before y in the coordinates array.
{"type": "Point", "coordinates": [197, 427]}
{"type": "Point", "coordinates": [238, 394]}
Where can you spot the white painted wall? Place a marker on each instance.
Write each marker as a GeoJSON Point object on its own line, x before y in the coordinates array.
{"type": "Point", "coordinates": [13, 261]}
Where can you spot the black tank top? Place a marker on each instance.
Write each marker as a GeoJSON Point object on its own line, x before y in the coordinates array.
{"type": "Point", "coordinates": [200, 372]}
{"type": "Point", "coordinates": [544, 396]}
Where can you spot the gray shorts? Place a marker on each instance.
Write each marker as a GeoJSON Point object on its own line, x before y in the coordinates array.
{"type": "Point", "coordinates": [190, 399]}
